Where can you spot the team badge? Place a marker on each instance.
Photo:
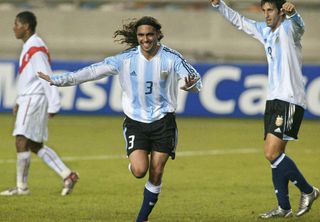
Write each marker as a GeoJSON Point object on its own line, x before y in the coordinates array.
{"type": "Point", "coordinates": [164, 75]}
{"type": "Point", "coordinates": [279, 121]}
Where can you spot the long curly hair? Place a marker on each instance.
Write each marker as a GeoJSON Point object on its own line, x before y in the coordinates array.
{"type": "Point", "coordinates": [128, 33]}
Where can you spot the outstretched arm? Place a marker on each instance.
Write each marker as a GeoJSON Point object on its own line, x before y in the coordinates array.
{"type": "Point", "coordinates": [89, 73]}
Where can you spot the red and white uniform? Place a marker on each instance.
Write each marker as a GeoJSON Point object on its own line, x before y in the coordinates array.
{"type": "Point", "coordinates": [36, 98]}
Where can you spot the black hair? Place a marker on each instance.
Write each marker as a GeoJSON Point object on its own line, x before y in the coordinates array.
{"type": "Point", "coordinates": [27, 17]}
{"type": "Point", "coordinates": [277, 3]}
{"type": "Point", "coordinates": [129, 31]}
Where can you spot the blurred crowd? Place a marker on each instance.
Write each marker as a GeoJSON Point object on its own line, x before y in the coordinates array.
{"type": "Point", "coordinates": [113, 5]}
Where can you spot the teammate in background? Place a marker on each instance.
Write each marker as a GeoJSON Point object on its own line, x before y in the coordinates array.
{"type": "Point", "coordinates": [36, 101]}
{"type": "Point", "coordinates": [149, 73]}
{"type": "Point", "coordinates": [280, 34]}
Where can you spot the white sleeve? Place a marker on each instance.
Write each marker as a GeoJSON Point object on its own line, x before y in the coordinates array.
{"type": "Point", "coordinates": [297, 26]}
{"type": "Point", "coordinates": [93, 72]}
{"type": "Point", "coordinates": [40, 63]}
{"type": "Point", "coordinates": [248, 26]}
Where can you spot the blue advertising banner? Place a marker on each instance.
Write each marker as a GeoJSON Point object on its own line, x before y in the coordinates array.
{"type": "Point", "coordinates": [229, 90]}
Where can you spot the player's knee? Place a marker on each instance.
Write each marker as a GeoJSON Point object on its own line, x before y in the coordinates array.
{"type": "Point", "coordinates": [138, 172]}
{"type": "Point", "coordinates": [270, 156]}
{"type": "Point", "coordinates": [21, 143]}
{"type": "Point", "coordinates": [35, 147]}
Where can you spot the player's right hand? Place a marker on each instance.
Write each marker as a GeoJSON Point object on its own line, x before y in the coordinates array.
{"type": "Point", "coordinates": [288, 8]}
{"type": "Point", "coordinates": [45, 77]}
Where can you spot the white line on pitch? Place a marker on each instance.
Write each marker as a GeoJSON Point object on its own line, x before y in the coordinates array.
{"type": "Point", "coordinates": [179, 154]}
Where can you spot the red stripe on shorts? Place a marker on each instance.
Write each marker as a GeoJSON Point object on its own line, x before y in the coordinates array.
{"type": "Point", "coordinates": [25, 114]}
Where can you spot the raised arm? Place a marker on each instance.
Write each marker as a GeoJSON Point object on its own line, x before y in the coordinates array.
{"type": "Point", "coordinates": [249, 26]}
{"type": "Point", "coordinates": [297, 23]}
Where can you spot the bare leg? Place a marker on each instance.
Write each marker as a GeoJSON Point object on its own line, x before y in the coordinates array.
{"type": "Point", "coordinates": [139, 163]}
{"type": "Point", "coordinates": [153, 185]}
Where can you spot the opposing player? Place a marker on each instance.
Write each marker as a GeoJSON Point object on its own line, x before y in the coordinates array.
{"type": "Point", "coordinates": [36, 101]}
{"type": "Point", "coordinates": [149, 73]}
{"type": "Point", "coordinates": [280, 34]}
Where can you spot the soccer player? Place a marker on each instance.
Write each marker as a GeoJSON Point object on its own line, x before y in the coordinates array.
{"type": "Point", "coordinates": [280, 34]}
{"type": "Point", "coordinates": [36, 101]}
{"type": "Point", "coordinates": [149, 73]}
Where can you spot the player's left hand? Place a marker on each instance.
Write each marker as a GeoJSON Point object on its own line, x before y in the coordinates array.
{"type": "Point", "coordinates": [288, 8]}
{"type": "Point", "coordinates": [190, 81]}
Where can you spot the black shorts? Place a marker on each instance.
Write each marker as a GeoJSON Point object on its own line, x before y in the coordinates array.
{"type": "Point", "coordinates": [282, 119]}
{"type": "Point", "coordinates": [160, 135]}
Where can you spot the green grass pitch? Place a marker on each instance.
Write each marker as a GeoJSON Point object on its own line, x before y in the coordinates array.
{"type": "Point", "coordinates": [219, 174]}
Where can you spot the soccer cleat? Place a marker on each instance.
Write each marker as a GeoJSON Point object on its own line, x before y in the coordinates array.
{"type": "Point", "coordinates": [15, 191]}
{"type": "Point", "coordinates": [69, 183]}
{"type": "Point", "coordinates": [279, 212]}
{"type": "Point", "coordinates": [306, 201]}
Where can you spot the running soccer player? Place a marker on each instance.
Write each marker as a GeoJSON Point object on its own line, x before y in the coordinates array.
{"type": "Point", "coordinates": [36, 101]}
{"type": "Point", "coordinates": [280, 34]}
{"type": "Point", "coordinates": [149, 73]}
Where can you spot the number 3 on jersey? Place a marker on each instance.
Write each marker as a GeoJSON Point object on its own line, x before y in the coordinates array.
{"type": "Point", "coordinates": [131, 141]}
{"type": "Point", "coordinates": [149, 85]}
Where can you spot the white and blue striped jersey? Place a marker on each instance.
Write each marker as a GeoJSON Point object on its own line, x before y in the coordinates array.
{"type": "Point", "coordinates": [149, 87]}
{"type": "Point", "coordinates": [283, 51]}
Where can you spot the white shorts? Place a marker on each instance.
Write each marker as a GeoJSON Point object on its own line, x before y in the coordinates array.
{"type": "Point", "coordinates": [32, 118]}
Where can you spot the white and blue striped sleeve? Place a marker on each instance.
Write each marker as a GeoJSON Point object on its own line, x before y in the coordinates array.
{"type": "Point", "coordinates": [184, 69]}
{"type": "Point", "coordinates": [96, 71]}
{"type": "Point", "coordinates": [251, 27]}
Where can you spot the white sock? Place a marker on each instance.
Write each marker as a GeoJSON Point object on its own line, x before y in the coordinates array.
{"type": "Point", "coordinates": [23, 164]}
{"type": "Point", "coordinates": [152, 188]}
{"type": "Point", "coordinates": [53, 161]}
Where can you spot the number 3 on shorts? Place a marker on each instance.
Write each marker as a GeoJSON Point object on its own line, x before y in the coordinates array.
{"type": "Point", "coordinates": [131, 142]}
